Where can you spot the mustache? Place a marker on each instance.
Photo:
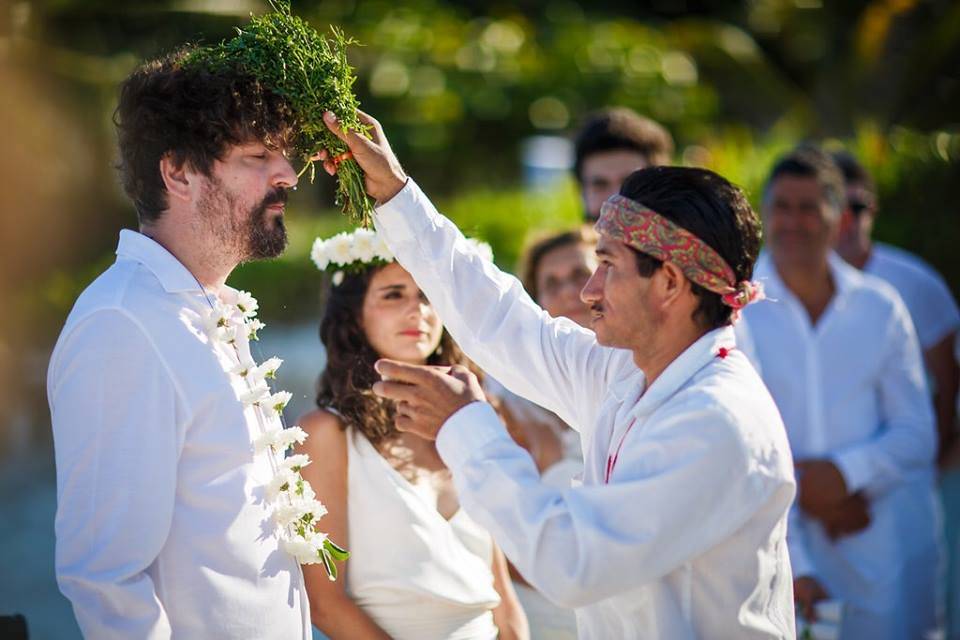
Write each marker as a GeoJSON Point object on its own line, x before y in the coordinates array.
{"type": "Point", "coordinates": [596, 307]}
{"type": "Point", "coordinates": [278, 195]}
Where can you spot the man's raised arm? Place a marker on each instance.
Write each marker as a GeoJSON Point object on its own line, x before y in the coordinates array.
{"type": "Point", "coordinates": [552, 362]}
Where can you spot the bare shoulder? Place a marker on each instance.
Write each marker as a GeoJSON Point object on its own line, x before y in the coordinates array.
{"type": "Point", "coordinates": [324, 428]}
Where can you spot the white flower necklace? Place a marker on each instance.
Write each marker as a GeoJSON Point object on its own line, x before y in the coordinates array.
{"type": "Point", "coordinates": [296, 511]}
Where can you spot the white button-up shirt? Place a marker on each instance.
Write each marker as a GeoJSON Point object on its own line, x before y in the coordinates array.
{"type": "Point", "coordinates": [851, 388]}
{"type": "Point", "coordinates": [688, 538]}
{"type": "Point", "coordinates": [931, 305]}
{"type": "Point", "coordinates": [162, 528]}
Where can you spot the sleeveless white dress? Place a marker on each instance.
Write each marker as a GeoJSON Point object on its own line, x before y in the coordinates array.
{"type": "Point", "coordinates": [416, 574]}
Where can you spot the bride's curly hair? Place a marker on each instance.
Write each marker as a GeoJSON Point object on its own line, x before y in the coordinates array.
{"type": "Point", "coordinates": [346, 383]}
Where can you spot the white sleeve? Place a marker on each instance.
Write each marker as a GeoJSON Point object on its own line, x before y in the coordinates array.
{"type": "Point", "coordinates": [907, 439]}
{"type": "Point", "coordinates": [937, 315]}
{"type": "Point", "coordinates": [552, 362]}
{"type": "Point", "coordinates": [584, 544]}
{"type": "Point", "coordinates": [117, 440]}
{"type": "Point", "coordinates": [800, 561]}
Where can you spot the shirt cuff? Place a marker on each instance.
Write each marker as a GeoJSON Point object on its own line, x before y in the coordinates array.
{"type": "Point", "coordinates": [468, 431]}
{"type": "Point", "coordinates": [405, 216]}
{"type": "Point", "coordinates": [855, 467]}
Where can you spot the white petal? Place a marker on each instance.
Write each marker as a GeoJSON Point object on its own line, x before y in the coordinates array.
{"type": "Point", "coordinates": [283, 481]}
{"type": "Point", "coordinates": [296, 461]}
{"type": "Point", "coordinates": [319, 254]}
{"type": "Point", "coordinates": [257, 395]}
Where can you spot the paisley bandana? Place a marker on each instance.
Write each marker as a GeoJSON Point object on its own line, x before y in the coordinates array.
{"type": "Point", "coordinates": [648, 232]}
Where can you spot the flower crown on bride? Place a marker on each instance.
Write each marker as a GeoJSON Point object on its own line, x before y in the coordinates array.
{"type": "Point", "coordinates": [363, 248]}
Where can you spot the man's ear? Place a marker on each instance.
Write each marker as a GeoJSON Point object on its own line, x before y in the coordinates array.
{"type": "Point", "coordinates": [670, 283]}
{"type": "Point", "coordinates": [177, 178]}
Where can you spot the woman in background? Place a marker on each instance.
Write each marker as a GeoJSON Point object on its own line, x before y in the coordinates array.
{"type": "Point", "coordinates": [419, 566]}
{"type": "Point", "coordinates": [554, 269]}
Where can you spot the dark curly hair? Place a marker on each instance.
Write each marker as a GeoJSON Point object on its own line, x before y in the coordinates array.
{"type": "Point", "coordinates": [194, 115]}
{"type": "Point", "coordinates": [346, 382]}
{"type": "Point", "coordinates": [710, 207]}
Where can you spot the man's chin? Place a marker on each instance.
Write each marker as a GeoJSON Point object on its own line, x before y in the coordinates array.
{"type": "Point", "coordinates": [270, 246]}
{"type": "Point", "coordinates": [596, 325]}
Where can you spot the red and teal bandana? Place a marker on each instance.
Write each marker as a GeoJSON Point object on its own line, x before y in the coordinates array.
{"type": "Point", "coordinates": [648, 232]}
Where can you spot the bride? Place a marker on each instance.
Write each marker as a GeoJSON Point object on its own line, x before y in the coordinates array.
{"type": "Point", "coordinates": [419, 566]}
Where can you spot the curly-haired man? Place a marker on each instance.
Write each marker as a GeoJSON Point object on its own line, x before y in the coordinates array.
{"type": "Point", "coordinates": [162, 529]}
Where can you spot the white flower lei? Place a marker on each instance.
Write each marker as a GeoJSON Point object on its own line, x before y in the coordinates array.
{"type": "Point", "coordinates": [351, 252]}
{"type": "Point", "coordinates": [296, 511]}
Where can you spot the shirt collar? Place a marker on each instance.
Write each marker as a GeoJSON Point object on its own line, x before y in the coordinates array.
{"type": "Point", "coordinates": [171, 273]}
{"type": "Point", "coordinates": [684, 366]}
{"type": "Point", "coordinates": [677, 373]}
{"type": "Point", "coordinates": [845, 277]}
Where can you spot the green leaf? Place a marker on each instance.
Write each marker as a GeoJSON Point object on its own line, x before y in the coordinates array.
{"type": "Point", "coordinates": [337, 552]}
{"type": "Point", "coordinates": [329, 565]}
{"type": "Point", "coordinates": [312, 74]}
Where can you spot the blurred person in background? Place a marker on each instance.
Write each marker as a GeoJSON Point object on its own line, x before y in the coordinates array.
{"type": "Point", "coordinates": [553, 269]}
{"type": "Point", "coordinates": [932, 307]}
{"type": "Point", "coordinates": [839, 353]}
{"type": "Point", "coordinates": [936, 318]}
{"type": "Point", "coordinates": [611, 144]}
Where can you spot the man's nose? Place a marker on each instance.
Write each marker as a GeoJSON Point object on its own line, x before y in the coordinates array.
{"type": "Point", "coordinates": [284, 175]}
{"type": "Point", "coordinates": [593, 290]}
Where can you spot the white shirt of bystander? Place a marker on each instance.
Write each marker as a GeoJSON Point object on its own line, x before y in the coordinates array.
{"type": "Point", "coordinates": [851, 389]}
{"type": "Point", "coordinates": [931, 305]}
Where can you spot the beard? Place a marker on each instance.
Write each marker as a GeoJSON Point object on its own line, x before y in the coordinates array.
{"type": "Point", "coordinates": [249, 234]}
{"type": "Point", "coordinates": [266, 238]}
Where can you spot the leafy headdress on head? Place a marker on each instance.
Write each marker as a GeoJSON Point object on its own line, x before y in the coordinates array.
{"type": "Point", "coordinates": [312, 74]}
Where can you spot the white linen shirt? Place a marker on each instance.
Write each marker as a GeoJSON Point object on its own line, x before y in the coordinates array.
{"type": "Point", "coordinates": [162, 528]}
{"type": "Point", "coordinates": [931, 305]}
{"type": "Point", "coordinates": [689, 538]}
{"type": "Point", "coordinates": [851, 389]}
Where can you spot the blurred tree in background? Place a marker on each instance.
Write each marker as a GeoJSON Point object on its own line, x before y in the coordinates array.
{"type": "Point", "coordinates": [459, 86]}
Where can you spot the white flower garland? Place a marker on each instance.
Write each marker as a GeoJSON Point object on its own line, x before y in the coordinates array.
{"type": "Point", "coordinates": [296, 511]}
{"type": "Point", "coordinates": [351, 252]}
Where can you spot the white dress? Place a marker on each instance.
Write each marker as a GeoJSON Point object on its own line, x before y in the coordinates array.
{"type": "Point", "coordinates": [416, 574]}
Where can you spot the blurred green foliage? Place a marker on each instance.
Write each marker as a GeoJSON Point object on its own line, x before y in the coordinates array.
{"type": "Point", "coordinates": [459, 85]}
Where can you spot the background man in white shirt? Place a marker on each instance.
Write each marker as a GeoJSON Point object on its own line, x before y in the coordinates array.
{"type": "Point", "coordinates": [839, 353]}
{"type": "Point", "coordinates": [611, 144]}
{"type": "Point", "coordinates": [932, 307]}
{"type": "Point", "coordinates": [679, 529]}
{"type": "Point", "coordinates": [162, 527]}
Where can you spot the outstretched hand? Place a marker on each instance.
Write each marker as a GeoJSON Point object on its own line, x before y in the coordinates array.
{"type": "Point", "coordinates": [384, 177]}
{"type": "Point", "coordinates": [426, 396]}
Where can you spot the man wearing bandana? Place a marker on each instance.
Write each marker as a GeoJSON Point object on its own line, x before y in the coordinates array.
{"type": "Point", "coordinates": [679, 527]}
